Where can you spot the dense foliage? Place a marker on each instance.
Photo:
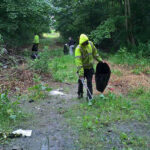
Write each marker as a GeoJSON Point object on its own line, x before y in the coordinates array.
{"type": "Point", "coordinates": [107, 22]}
{"type": "Point", "coordinates": [19, 20]}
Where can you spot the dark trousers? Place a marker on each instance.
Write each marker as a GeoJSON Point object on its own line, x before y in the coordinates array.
{"type": "Point", "coordinates": [35, 47]}
{"type": "Point", "coordinates": [34, 51]}
{"type": "Point", "coordinates": [88, 74]}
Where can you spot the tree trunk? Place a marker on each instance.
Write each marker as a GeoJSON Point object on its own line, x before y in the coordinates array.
{"type": "Point", "coordinates": [126, 19]}
{"type": "Point", "coordinates": [128, 23]}
{"type": "Point", "coordinates": [132, 40]}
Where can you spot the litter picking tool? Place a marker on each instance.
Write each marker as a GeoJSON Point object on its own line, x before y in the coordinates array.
{"type": "Point", "coordinates": [86, 87]}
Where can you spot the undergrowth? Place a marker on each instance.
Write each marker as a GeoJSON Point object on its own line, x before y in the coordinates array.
{"type": "Point", "coordinates": [137, 61]}
{"type": "Point", "coordinates": [63, 69]}
{"type": "Point", "coordinates": [39, 90]}
{"type": "Point", "coordinates": [41, 64]}
{"type": "Point", "coordinates": [10, 113]}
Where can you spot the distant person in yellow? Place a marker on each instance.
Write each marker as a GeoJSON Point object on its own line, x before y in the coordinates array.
{"type": "Point", "coordinates": [85, 53]}
{"type": "Point", "coordinates": [36, 42]}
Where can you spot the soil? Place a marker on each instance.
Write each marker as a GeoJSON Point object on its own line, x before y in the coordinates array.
{"type": "Point", "coordinates": [122, 84]}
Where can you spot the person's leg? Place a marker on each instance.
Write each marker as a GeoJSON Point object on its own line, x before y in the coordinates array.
{"type": "Point", "coordinates": [71, 49]}
{"type": "Point", "coordinates": [89, 75]}
{"type": "Point", "coordinates": [80, 89]}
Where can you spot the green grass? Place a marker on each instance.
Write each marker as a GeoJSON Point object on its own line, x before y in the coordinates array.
{"type": "Point", "coordinates": [93, 123]}
{"type": "Point", "coordinates": [63, 69]}
{"type": "Point", "coordinates": [50, 40]}
{"type": "Point", "coordinates": [136, 61]}
{"type": "Point", "coordinates": [56, 53]}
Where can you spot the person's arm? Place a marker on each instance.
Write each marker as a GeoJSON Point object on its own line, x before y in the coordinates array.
{"type": "Point", "coordinates": [78, 61]}
{"type": "Point", "coordinates": [95, 53]}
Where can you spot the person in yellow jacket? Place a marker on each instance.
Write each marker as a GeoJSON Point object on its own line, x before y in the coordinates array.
{"type": "Point", "coordinates": [36, 42]}
{"type": "Point", "coordinates": [85, 53]}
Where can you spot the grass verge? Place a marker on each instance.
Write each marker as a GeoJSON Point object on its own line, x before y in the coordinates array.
{"type": "Point", "coordinates": [63, 69]}
{"type": "Point", "coordinates": [103, 125]}
{"type": "Point", "coordinates": [138, 63]}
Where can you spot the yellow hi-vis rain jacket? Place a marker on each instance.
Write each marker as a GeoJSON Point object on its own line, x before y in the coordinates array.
{"type": "Point", "coordinates": [36, 39]}
{"type": "Point", "coordinates": [85, 55]}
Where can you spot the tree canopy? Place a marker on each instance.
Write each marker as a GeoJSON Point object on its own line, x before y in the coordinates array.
{"type": "Point", "coordinates": [109, 23]}
{"type": "Point", "coordinates": [20, 19]}
{"type": "Point", "coordinates": [117, 22]}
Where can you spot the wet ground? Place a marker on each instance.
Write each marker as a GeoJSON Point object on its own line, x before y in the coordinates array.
{"type": "Point", "coordinates": [50, 131]}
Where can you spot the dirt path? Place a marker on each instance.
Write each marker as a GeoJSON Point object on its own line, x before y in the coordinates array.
{"type": "Point", "coordinates": [50, 131]}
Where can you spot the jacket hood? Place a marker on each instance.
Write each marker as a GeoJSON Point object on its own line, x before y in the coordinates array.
{"type": "Point", "coordinates": [83, 38]}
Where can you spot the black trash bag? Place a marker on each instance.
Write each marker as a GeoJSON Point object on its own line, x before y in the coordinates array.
{"type": "Point", "coordinates": [102, 76]}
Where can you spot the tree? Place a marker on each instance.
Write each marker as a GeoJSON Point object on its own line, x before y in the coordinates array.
{"type": "Point", "coordinates": [20, 19]}
{"type": "Point", "coordinates": [124, 22]}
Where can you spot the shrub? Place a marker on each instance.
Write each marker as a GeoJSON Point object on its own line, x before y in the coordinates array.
{"type": "Point", "coordinates": [41, 64]}
{"type": "Point", "coordinates": [123, 56]}
{"type": "Point", "coordinates": [8, 108]}
{"type": "Point", "coordinates": [39, 90]}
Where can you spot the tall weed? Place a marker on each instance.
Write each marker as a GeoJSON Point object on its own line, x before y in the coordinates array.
{"type": "Point", "coordinates": [41, 64]}
{"type": "Point", "coordinates": [63, 69]}
{"type": "Point", "coordinates": [56, 52]}
{"type": "Point", "coordinates": [39, 90]}
{"type": "Point", "coordinates": [136, 60]}
{"type": "Point", "coordinates": [10, 113]}
{"type": "Point", "coordinates": [8, 108]}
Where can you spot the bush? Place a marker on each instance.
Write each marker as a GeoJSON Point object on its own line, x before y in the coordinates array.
{"type": "Point", "coordinates": [8, 108]}
{"type": "Point", "coordinates": [41, 64]}
{"type": "Point", "coordinates": [123, 56]}
{"type": "Point", "coordinates": [142, 50]}
{"type": "Point", "coordinates": [39, 90]}
{"type": "Point", "coordinates": [18, 21]}
{"type": "Point", "coordinates": [103, 31]}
